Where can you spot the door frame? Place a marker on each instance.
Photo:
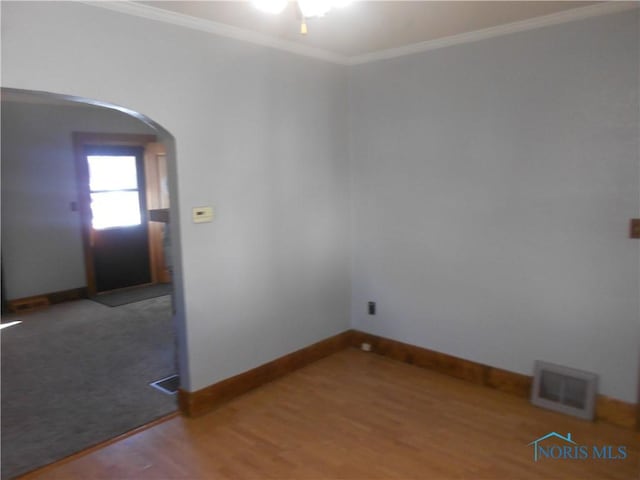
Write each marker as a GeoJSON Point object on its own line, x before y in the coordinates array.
{"type": "Point", "coordinates": [155, 171]}
{"type": "Point", "coordinates": [80, 141]}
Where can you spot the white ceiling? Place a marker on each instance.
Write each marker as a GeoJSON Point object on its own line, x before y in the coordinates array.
{"type": "Point", "coordinates": [365, 27]}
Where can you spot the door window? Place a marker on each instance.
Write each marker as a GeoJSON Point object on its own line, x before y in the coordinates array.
{"type": "Point", "coordinates": [113, 185]}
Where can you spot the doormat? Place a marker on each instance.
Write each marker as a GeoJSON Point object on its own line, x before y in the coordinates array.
{"type": "Point", "coordinates": [132, 295]}
{"type": "Point", "coordinates": [168, 385]}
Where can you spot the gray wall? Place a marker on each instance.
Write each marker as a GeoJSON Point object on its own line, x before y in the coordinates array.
{"type": "Point", "coordinates": [493, 185]}
{"type": "Point", "coordinates": [41, 236]}
{"type": "Point", "coordinates": [260, 134]}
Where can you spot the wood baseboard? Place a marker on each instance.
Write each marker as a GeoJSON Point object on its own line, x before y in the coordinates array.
{"type": "Point", "coordinates": [473, 372]}
{"type": "Point", "coordinates": [616, 412]}
{"type": "Point", "coordinates": [193, 404]}
{"type": "Point", "coordinates": [29, 304]}
{"type": "Point", "coordinates": [68, 295]}
{"type": "Point", "coordinates": [609, 410]}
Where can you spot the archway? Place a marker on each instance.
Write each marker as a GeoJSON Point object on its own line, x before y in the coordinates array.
{"type": "Point", "coordinates": [177, 317]}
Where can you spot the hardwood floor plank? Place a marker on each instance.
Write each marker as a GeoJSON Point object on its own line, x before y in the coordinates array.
{"type": "Point", "coordinates": [355, 415]}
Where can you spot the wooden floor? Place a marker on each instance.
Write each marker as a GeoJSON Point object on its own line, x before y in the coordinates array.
{"type": "Point", "coordinates": [357, 415]}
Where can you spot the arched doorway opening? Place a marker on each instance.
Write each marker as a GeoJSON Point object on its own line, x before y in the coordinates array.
{"type": "Point", "coordinates": [68, 368]}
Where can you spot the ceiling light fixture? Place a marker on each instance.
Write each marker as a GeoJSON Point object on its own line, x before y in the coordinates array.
{"type": "Point", "coordinates": [307, 8]}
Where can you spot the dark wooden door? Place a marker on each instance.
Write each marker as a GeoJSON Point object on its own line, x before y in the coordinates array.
{"type": "Point", "coordinates": [119, 235]}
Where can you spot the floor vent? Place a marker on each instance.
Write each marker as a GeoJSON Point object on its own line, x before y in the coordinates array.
{"type": "Point", "coordinates": [168, 385]}
{"type": "Point", "coordinates": [565, 390]}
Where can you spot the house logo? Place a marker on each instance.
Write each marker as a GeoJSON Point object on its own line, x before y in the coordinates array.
{"type": "Point", "coordinates": [565, 448]}
{"type": "Point", "coordinates": [537, 447]}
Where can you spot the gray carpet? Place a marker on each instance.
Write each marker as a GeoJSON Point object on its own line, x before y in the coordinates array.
{"type": "Point", "coordinates": [77, 374]}
{"type": "Point", "coordinates": [132, 295]}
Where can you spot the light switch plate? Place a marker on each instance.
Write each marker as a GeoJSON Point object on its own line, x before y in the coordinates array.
{"type": "Point", "coordinates": [202, 214]}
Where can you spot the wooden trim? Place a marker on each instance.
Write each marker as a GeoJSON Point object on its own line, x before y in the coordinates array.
{"type": "Point", "coordinates": [616, 412]}
{"type": "Point", "coordinates": [609, 410]}
{"type": "Point", "coordinates": [74, 456]}
{"type": "Point", "coordinates": [473, 372]}
{"type": "Point", "coordinates": [19, 305]}
{"type": "Point", "coordinates": [508, 382]}
{"type": "Point", "coordinates": [28, 304]}
{"type": "Point", "coordinates": [81, 140]}
{"type": "Point", "coordinates": [68, 295]}
{"type": "Point", "coordinates": [155, 171]}
{"type": "Point", "coordinates": [197, 403]}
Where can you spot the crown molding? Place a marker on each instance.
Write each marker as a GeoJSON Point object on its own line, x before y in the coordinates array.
{"type": "Point", "coordinates": [566, 16]}
{"type": "Point", "coordinates": [194, 23]}
{"type": "Point", "coordinates": [154, 13]}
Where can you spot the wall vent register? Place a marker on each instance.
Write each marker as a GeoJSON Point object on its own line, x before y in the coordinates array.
{"type": "Point", "coordinates": [565, 390]}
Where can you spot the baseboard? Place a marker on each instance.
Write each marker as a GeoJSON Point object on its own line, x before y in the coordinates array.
{"type": "Point", "coordinates": [616, 412]}
{"type": "Point", "coordinates": [473, 372]}
{"type": "Point", "coordinates": [193, 404]}
{"type": "Point", "coordinates": [609, 410]}
{"type": "Point", "coordinates": [68, 295]}
{"type": "Point", "coordinates": [28, 304]}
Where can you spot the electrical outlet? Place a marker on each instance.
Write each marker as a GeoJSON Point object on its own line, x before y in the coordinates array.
{"type": "Point", "coordinates": [372, 308]}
